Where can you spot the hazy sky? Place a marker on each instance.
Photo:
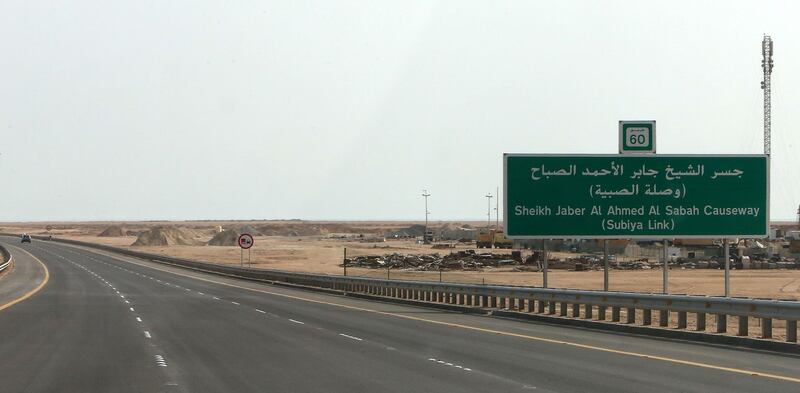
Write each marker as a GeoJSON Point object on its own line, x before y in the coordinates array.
{"type": "Point", "coordinates": [347, 110]}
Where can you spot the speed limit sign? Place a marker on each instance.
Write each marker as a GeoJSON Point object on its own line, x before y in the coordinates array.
{"type": "Point", "coordinates": [245, 241]}
{"type": "Point", "coordinates": [637, 137]}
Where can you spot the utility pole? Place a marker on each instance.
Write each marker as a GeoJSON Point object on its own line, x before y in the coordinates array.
{"type": "Point", "coordinates": [489, 210]}
{"type": "Point", "coordinates": [497, 209]}
{"type": "Point", "coordinates": [426, 194]}
{"type": "Point", "coordinates": [766, 85]}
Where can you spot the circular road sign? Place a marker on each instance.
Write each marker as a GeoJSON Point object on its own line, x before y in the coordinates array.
{"type": "Point", "coordinates": [245, 240]}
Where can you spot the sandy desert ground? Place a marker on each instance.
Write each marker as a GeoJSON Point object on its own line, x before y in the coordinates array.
{"type": "Point", "coordinates": [323, 254]}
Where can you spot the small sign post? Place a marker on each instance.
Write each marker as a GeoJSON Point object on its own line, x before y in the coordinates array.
{"type": "Point", "coordinates": [245, 241]}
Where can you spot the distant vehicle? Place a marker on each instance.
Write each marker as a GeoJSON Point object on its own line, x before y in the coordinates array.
{"type": "Point", "coordinates": [489, 238]}
{"type": "Point", "coordinates": [26, 238]}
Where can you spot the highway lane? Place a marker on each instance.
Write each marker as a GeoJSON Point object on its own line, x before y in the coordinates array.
{"type": "Point", "coordinates": [72, 336]}
{"type": "Point", "coordinates": [21, 279]}
{"type": "Point", "coordinates": [247, 336]}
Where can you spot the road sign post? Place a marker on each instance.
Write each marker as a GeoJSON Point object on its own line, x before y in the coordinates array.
{"type": "Point", "coordinates": [605, 264]}
{"type": "Point", "coordinates": [245, 241]}
{"type": "Point", "coordinates": [727, 257]}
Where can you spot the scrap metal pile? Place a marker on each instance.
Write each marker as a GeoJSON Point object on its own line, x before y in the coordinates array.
{"type": "Point", "coordinates": [461, 260]}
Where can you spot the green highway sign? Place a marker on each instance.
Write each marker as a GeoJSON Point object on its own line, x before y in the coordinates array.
{"type": "Point", "coordinates": [635, 196]}
{"type": "Point", "coordinates": [637, 137]}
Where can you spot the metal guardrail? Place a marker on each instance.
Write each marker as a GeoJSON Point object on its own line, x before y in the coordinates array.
{"type": "Point", "coordinates": [570, 303]}
{"type": "Point", "coordinates": [6, 260]}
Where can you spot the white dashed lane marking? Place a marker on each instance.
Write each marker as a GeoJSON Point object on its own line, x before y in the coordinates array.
{"type": "Point", "coordinates": [296, 321]}
{"type": "Point", "coordinates": [350, 337]}
{"type": "Point", "coordinates": [442, 362]}
{"type": "Point", "coordinates": [147, 334]}
{"type": "Point", "coordinates": [261, 311]}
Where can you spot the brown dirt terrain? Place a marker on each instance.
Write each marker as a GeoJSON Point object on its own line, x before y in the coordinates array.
{"type": "Point", "coordinates": [323, 253]}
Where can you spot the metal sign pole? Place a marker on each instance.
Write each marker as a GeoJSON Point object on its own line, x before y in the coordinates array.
{"type": "Point", "coordinates": [344, 261]}
{"type": "Point", "coordinates": [727, 268]}
{"type": "Point", "coordinates": [241, 257]}
{"type": "Point", "coordinates": [544, 264]}
{"type": "Point", "coordinates": [666, 269]}
{"type": "Point", "coordinates": [605, 265]}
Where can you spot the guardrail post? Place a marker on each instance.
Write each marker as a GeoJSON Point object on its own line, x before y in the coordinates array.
{"type": "Point", "coordinates": [743, 322]}
{"type": "Point", "coordinates": [551, 307]}
{"type": "Point", "coordinates": [615, 314]}
{"type": "Point", "coordinates": [484, 301]}
{"type": "Point", "coordinates": [540, 306]}
{"type": "Point", "coordinates": [681, 319]}
{"type": "Point", "coordinates": [663, 318]}
{"type": "Point", "coordinates": [630, 315]}
{"type": "Point", "coordinates": [701, 321]}
{"type": "Point", "coordinates": [493, 301]}
{"type": "Point", "coordinates": [563, 309]}
{"type": "Point", "coordinates": [587, 311]}
{"type": "Point", "coordinates": [647, 317]}
{"type": "Point", "coordinates": [501, 302]}
{"type": "Point", "coordinates": [791, 331]}
{"type": "Point", "coordinates": [766, 327]}
{"type": "Point", "coordinates": [576, 310]}
{"type": "Point", "coordinates": [601, 313]}
{"type": "Point", "coordinates": [722, 323]}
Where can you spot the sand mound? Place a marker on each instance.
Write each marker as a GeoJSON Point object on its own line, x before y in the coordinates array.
{"type": "Point", "coordinates": [412, 231]}
{"type": "Point", "coordinates": [168, 236]}
{"type": "Point", "coordinates": [225, 238]}
{"type": "Point", "coordinates": [303, 229]}
{"type": "Point", "coordinates": [454, 232]}
{"type": "Point", "coordinates": [113, 231]}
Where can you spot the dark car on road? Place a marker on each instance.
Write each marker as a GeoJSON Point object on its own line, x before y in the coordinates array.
{"type": "Point", "coordinates": [26, 238]}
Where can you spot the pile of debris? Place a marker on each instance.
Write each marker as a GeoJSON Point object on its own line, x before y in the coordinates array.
{"type": "Point", "coordinates": [461, 260]}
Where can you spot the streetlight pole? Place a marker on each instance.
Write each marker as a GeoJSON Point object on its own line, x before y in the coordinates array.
{"type": "Point", "coordinates": [497, 209]}
{"type": "Point", "coordinates": [489, 210]}
{"type": "Point", "coordinates": [426, 194]}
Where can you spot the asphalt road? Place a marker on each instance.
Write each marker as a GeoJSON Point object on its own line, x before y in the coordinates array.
{"type": "Point", "coordinates": [106, 323]}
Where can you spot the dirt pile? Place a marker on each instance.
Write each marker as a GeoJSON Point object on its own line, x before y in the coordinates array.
{"type": "Point", "coordinates": [168, 236]}
{"type": "Point", "coordinates": [113, 231]}
{"type": "Point", "coordinates": [454, 232]}
{"type": "Point", "coordinates": [412, 231]}
{"type": "Point", "coordinates": [225, 238]}
{"type": "Point", "coordinates": [303, 229]}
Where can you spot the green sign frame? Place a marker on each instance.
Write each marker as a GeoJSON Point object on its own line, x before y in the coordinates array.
{"type": "Point", "coordinates": [624, 145]}
{"type": "Point", "coordinates": [613, 196]}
